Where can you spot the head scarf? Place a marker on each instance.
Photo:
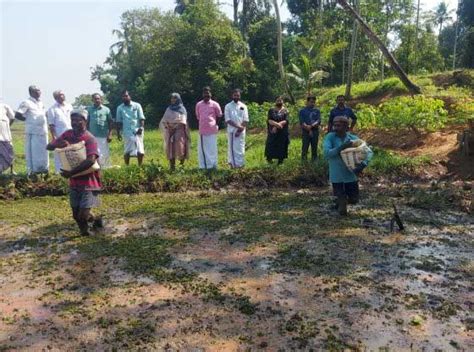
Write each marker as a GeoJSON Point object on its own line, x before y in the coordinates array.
{"type": "Point", "coordinates": [178, 105]}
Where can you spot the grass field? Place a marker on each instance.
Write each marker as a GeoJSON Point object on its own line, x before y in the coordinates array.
{"type": "Point", "coordinates": [254, 270]}
{"type": "Point", "coordinates": [154, 150]}
{"type": "Point", "coordinates": [237, 260]}
{"type": "Point", "coordinates": [383, 161]}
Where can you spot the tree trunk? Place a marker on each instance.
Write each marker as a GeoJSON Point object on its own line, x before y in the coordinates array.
{"type": "Point", "coordinates": [456, 25]}
{"type": "Point", "coordinates": [236, 12]}
{"type": "Point", "coordinates": [343, 65]}
{"type": "Point", "coordinates": [281, 68]}
{"type": "Point", "coordinates": [350, 63]}
{"type": "Point", "coordinates": [417, 28]}
{"type": "Point", "coordinates": [413, 88]}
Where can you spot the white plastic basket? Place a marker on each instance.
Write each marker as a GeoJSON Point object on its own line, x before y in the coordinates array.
{"type": "Point", "coordinates": [72, 156]}
{"type": "Point", "coordinates": [355, 155]}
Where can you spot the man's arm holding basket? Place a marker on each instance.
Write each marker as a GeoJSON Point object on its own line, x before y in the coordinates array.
{"type": "Point", "coordinates": [363, 164]}
{"type": "Point", "coordinates": [85, 165]}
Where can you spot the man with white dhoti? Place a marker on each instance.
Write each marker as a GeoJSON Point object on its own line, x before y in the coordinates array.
{"type": "Point", "coordinates": [6, 148]}
{"type": "Point", "coordinates": [130, 118]}
{"type": "Point", "coordinates": [208, 113]}
{"type": "Point", "coordinates": [100, 124]}
{"type": "Point", "coordinates": [59, 121]}
{"type": "Point", "coordinates": [36, 132]}
{"type": "Point", "coordinates": [237, 117]}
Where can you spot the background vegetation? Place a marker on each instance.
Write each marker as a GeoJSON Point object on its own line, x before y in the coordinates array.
{"type": "Point", "coordinates": [160, 52]}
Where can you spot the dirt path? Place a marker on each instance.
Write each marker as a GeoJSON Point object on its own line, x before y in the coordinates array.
{"type": "Point", "coordinates": [280, 271]}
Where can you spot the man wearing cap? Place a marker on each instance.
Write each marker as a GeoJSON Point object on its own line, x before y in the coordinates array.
{"type": "Point", "coordinates": [6, 147]}
{"type": "Point", "coordinates": [208, 113]}
{"type": "Point", "coordinates": [59, 120]}
{"type": "Point", "coordinates": [341, 110]}
{"type": "Point", "coordinates": [100, 124]}
{"type": "Point", "coordinates": [344, 181]}
{"type": "Point", "coordinates": [84, 189]}
{"type": "Point", "coordinates": [36, 132]}
{"type": "Point", "coordinates": [131, 120]}
{"type": "Point", "coordinates": [237, 117]}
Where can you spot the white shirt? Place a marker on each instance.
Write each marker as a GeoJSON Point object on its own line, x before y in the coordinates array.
{"type": "Point", "coordinates": [60, 116]}
{"type": "Point", "coordinates": [33, 111]}
{"type": "Point", "coordinates": [6, 115]}
{"type": "Point", "coordinates": [237, 112]}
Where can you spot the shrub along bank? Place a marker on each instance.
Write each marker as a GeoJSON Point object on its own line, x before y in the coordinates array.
{"type": "Point", "coordinates": [153, 177]}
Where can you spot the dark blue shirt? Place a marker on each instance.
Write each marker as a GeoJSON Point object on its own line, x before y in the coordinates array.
{"type": "Point", "coordinates": [309, 116]}
{"type": "Point", "coordinates": [347, 112]}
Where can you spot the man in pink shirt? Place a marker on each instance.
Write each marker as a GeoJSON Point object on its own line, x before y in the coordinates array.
{"type": "Point", "coordinates": [208, 113]}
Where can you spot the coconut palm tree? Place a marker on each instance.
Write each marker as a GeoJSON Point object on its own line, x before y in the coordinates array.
{"type": "Point", "coordinates": [442, 15]}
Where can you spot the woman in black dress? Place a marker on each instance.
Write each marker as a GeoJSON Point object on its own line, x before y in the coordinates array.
{"type": "Point", "coordinates": [278, 137]}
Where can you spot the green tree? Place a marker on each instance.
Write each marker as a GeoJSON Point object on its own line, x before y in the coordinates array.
{"type": "Point", "coordinates": [446, 41]}
{"type": "Point", "coordinates": [305, 75]}
{"type": "Point", "coordinates": [168, 52]}
{"type": "Point", "coordinates": [466, 33]}
{"type": "Point", "coordinates": [82, 100]}
{"type": "Point", "coordinates": [374, 38]}
{"type": "Point", "coordinates": [442, 15]}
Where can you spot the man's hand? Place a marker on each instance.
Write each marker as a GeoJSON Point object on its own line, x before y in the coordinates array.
{"type": "Point", "coordinates": [66, 174]}
{"type": "Point", "coordinates": [239, 131]}
{"type": "Point", "coordinates": [359, 168]}
{"type": "Point", "coordinates": [346, 145]}
{"type": "Point", "coordinates": [61, 144]}
{"type": "Point", "coordinates": [109, 138]}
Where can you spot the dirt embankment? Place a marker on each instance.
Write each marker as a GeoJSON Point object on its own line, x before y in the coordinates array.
{"type": "Point", "coordinates": [441, 147]}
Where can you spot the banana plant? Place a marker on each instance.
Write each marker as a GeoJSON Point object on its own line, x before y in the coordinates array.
{"type": "Point", "coordinates": [305, 75]}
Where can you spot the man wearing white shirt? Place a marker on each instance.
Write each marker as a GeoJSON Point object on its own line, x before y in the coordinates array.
{"type": "Point", "coordinates": [36, 132]}
{"type": "Point", "coordinates": [6, 148]}
{"type": "Point", "coordinates": [237, 118]}
{"type": "Point", "coordinates": [59, 120]}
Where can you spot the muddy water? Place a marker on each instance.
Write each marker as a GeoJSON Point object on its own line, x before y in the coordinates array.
{"type": "Point", "coordinates": [357, 288]}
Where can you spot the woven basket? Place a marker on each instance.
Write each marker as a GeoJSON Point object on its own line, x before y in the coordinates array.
{"type": "Point", "coordinates": [355, 155]}
{"type": "Point", "coordinates": [72, 156]}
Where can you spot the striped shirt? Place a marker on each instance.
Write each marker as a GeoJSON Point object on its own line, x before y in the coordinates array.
{"type": "Point", "coordinates": [89, 182]}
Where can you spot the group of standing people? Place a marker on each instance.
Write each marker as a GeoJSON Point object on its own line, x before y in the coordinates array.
{"type": "Point", "coordinates": [129, 122]}
{"type": "Point", "coordinates": [278, 136]}
{"type": "Point", "coordinates": [208, 113]}
{"type": "Point", "coordinates": [94, 126]}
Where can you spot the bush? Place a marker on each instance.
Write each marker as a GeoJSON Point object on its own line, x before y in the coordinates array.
{"type": "Point", "coordinates": [153, 177]}
{"type": "Point", "coordinates": [401, 113]}
{"type": "Point", "coordinates": [418, 112]}
{"type": "Point", "coordinates": [367, 116]}
{"type": "Point", "coordinates": [463, 110]}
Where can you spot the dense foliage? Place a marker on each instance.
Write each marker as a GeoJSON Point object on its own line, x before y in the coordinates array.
{"type": "Point", "coordinates": [197, 45]}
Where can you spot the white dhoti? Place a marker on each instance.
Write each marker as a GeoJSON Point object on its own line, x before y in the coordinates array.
{"type": "Point", "coordinates": [207, 151]}
{"type": "Point", "coordinates": [104, 152]}
{"type": "Point", "coordinates": [134, 145]}
{"type": "Point", "coordinates": [236, 149]}
{"type": "Point", "coordinates": [36, 155]}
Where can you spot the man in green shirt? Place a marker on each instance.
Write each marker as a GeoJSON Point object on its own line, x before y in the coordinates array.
{"type": "Point", "coordinates": [100, 124]}
{"type": "Point", "coordinates": [131, 120]}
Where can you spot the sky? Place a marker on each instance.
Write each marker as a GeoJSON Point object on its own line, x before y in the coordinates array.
{"type": "Point", "coordinates": [54, 44]}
